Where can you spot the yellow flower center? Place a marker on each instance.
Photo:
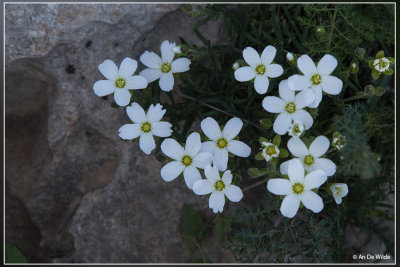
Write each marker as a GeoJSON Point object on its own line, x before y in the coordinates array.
{"type": "Point", "coordinates": [146, 127]}
{"type": "Point", "coordinates": [298, 188]}
{"type": "Point", "coordinates": [222, 143]}
{"type": "Point", "coordinates": [165, 67]}
{"type": "Point", "coordinates": [271, 150]}
{"type": "Point", "coordinates": [290, 107]}
{"type": "Point", "coordinates": [219, 185]}
{"type": "Point", "coordinates": [382, 64]}
{"type": "Point", "coordinates": [309, 160]}
{"type": "Point", "coordinates": [260, 69]}
{"type": "Point", "coordinates": [187, 160]}
{"type": "Point", "coordinates": [338, 190]}
{"type": "Point", "coordinates": [120, 83]}
{"type": "Point", "coordinates": [296, 129]}
{"type": "Point", "coordinates": [316, 79]}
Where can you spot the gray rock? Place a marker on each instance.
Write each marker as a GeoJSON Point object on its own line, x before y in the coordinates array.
{"type": "Point", "coordinates": [93, 197]}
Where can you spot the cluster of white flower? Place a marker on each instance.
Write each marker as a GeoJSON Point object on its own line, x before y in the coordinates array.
{"type": "Point", "coordinates": [306, 172]}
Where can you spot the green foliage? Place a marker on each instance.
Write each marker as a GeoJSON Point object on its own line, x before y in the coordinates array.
{"type": "Point", "coordinates": [14, 255]}
{"type": "Point", "coordinates": [192, 223]}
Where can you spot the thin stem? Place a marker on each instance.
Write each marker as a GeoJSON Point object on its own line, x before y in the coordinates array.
{"type": "Point", "coordinates": [255, 184]}
{"type": "Point", "coordinates": [333, 25]}
{"type": "Point", "coordinates": [354, 98]}
{"type": "Point", "coordinates": [196, 244]}
{"type": "Point", "coordinates": [220, 110]}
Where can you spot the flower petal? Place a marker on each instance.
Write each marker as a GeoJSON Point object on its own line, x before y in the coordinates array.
{"type": "Point", "coordinates": [312, 201]}
{"type": "Point", "coordinates": [274, 70]}
{"type": "Point", "coordinates": [167, 54]}
{"type": "Point", "coordinates": [304, 117]}
{"type": "Point", "coordinates": [232, 128]}
{"type": "Point", "coordinates": [155, 113]}
{"type": "Point", "coordinates": [287, 94]}
{"type": "Point", "coordinates": [290, 205]}
{"type": "Point", "coordinates": [202, 160]}
{"type": "Point", "coordinates": [279, 186]}
{"type": "Point", "coordinates": [268, 55]}
{"type": "Point", "coordinates": [331, 85]}
{"type": "Point", "coordinates": [251, 56]}
{"type": "Point", "coordinates": [299, 82]}
{"type": "Point", "coordinates": [147, 143]}
{"type": "Point", "coordinates": [208, 146]}
{"type": "Point", "coordinates": [273, 104]}
{"type": "Point", "coordinates": [193, 144]}
{"type": "Point", "coordinates": [317, 90]}
{"type": "Point", "coordinates": [210, 128]}
{"type": "Point", "coordinates": [220, 159]}
{"type": "Point", "coordinates": [109, 69]}
{"type": "Point", "coordinates": [217, 201]}
{"type": "Point", "coordinates": [297, 147]}
{"type": "Point", "coordinates": [306, 65]}
{"type": "Point", "coordinates": [282, 123]}
{"type": "Point", "coordinates": [172, 149]}
{"type": "Point", "coordinates": [284, 167]}
{"type": "Point", "coordinates": [227, 177]}
{"type": "Point", "coordinates": [129, 131]}
{"type": "Point", "coordinates": [239, 148]}
{"type": "Point", "coordinates": [261, 84]}
{"type": "Point", "coordinates": [244, 74]}
{"type": "Point", "coordinates": [233, 193]}
{"type": "Point", "coordinates": [136, 113]}
{"type": "Point", "coordinates": [326, 165]}
{"type": "Point", "coordinates": [314, 179]}
{"type": "Point", "coordinates": [327, 65]}
{"type": "Point", "coordinates": [151, 74]}
{"type": "Point", "coordinates": [127, 67]}
{"type": "Point", "coordinates": [161, 128]}
{"type": "Point", "coordinates": [172, 170]}
{"type": "Point", "coordinates": [166, 81]}
{"type": "Point", "coordinates": [122, 96]}
{"type": "Point", "coordinates": [136, 82]}
{"type": "Point", "coordinates": [295, 171]}
{"type": "Point", "coordinates": [212, 174]}
{"type": "Point", "coordinates": [304, 98]}
{"type": "Point", "coordinates": [202, 187]}
{"type": "Point", "coordinates": [151, 60]}
{"type": "Point", "coordinates": [180, 65]}
{"type": "Point", "coordinates": [191, 175]}
{"type": "Point", "coordinates": [103, 87]}
{"type": "Point", "coordinates": [319, 146]}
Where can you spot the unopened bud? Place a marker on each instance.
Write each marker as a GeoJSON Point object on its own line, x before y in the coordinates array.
{"type": "Point", "coordinates": [291, 58]}
{"type": "Point", "coordinates": [380, 90]}
{"type": "Point", "coordinates": [369, 90]}
{"type": "Point", "coordinates": [360, 52]}
{"type": "Point", "coordinates": [235, 66]}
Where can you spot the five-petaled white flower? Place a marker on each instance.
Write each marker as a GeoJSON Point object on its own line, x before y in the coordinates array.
{"type": "Point", "coordinates": [318, 78]}
{"type": "Point", "coordinates": [296, 129]}
{"type": "Point", "coordinates": [310, 157]}
{"type": "Point", "coordinates": [222, 141]}
{"type": "Point", "coordinates": [219, 188]}
{"type": "Point", "coordinates": [260, 68]}
{"type": "Point", "coordinates": [381, 64]}
{"type": "Point", "coordinates": [186, 160]}
{"type": "Point", "coordinates": [339, 190]}
{"type": "Point", "coordinates": [145, 126]}
{"type": "Point", "coordinates": [290, 107]}
{"type": "Point", "coordinates": [269, 151]}
{"type": "Point", "coordinates": [119, 81]}
{"type": "Point", "coordinates": [298, 188]}
{"type": "Point", "coordinates": [163, 67]}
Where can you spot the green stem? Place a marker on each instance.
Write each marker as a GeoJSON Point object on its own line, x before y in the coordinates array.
{"type": "Point", "coordinates": [354, 98]}
{"type": "Point", "coordinates": [333, 25]}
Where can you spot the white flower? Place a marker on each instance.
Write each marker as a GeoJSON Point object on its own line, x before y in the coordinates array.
{"type": "Point", "coordinates": [290, 107]}
{"type": "Point", "coordinates": [317, 78]}
{"type": "Point", "coordinates": [219, 188]}
{"type": "Point", "coordinates": [176, 48]}
{"type": "Point", "coordinates": [163, 67]}
{"type": "Point", "coordinates": [296, 129]}
{"type": "Point", "coordinates": [298, 189]}
{"type": "Point", "coordinates": [186, 160]}
{"type": "Point", "coordinates": [339, 141]}
{"type": "Point", "coordinates": [381, 64]}
{"type": "Point", "coordinates": [145, 126]}
{"type": "Point", "coordinates": [311, 158]}
{"type": "Point", "coordinates": [339, 190]}
{"type": "Point", "coordinates": [269, 151]}
{"type": "Point", "coordinates": [222, 141]}
{"type": "Point", "coordinates": [259, 68]}
{"type": "Point", "coordinates": [119, 81]}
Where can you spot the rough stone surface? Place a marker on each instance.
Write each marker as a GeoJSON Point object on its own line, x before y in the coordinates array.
{"type": "Point", "coordinates": [92, 197]}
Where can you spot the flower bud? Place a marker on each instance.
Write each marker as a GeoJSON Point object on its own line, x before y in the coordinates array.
{"type": "Point", "coordinates": [369, 90]}
{"type": "Point", "coordinates": [380, 90]}
{"type": "Point", "coordinates": [291, 58]}
{"type": "Point", "coordinates": [354, 67]}
{"type": "Point", "coordinates": [235, 66]}
{"type": "Point", "coordinates": [360, 52]}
